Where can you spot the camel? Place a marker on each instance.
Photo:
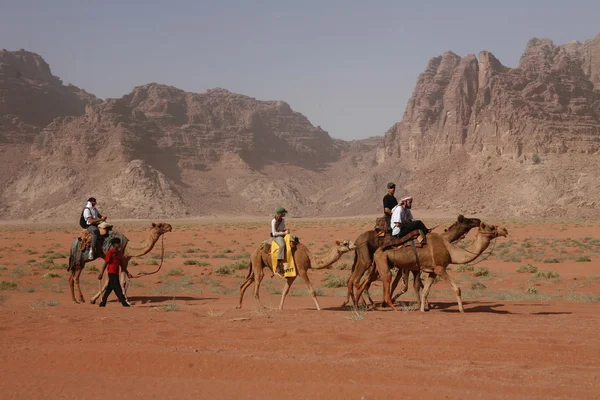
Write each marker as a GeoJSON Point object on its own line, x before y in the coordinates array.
{"type": "Point", "coordinates": [303, 259]}
{"type": "Point", "coordinates": [368, 242]}
{"type": "Point", "coordinates": [433, 258]}
{"type": "Point", "coordinates": [77, 261]}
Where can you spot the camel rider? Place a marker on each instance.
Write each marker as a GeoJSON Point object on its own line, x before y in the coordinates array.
{"type": "Point", "coordinates": [93, 219]}
{"type": "Point", "coordinates": [278, 231]}
{"type": "Point", "coordinates": [389, 202]}
{"type": "Point", "coordinates": [403, 221]}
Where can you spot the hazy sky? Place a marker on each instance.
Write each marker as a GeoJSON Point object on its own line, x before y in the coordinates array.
{"type": "Point", "coordinates": [349, 66]}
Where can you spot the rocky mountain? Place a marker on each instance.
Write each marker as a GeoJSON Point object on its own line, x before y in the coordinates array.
{"type": "Point", "coordinates": [505, 141]}
{"type": "Point", "coordinates": [162, 152]}
{"type": "Point", "coordinates": [476, 137]}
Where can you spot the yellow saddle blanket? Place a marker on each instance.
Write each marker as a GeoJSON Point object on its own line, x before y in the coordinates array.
{"type": "Point", "coordinates": [289, 266]}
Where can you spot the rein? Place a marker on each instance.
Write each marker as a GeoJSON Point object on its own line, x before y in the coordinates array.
{"type": "Point", "coordinates": [487, 255]}
{"type": "Point", "coordinates": [162, 258]}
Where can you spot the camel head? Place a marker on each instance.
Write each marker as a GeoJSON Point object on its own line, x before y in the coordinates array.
{"type": "Point", "coordinates": [466, 222]}
{"type": "Point", "coordinates": [492, 231]}
{"type": "Point", "coordinates": [344, 246]}
{"type": "Point", "coordinates": [161, 228]}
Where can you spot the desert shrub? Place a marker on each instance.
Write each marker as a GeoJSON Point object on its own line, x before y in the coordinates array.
{"type": "Point", "coordinates": [527, 268]}
{"type": "Point", "coordinates": [465, 268]}
{"type": "Point", "coordinates": [552, 261]}
{"type": "Point", "coordinates": [175, 272]}
{"type": "Point", "coordinates": [481, 271]}
{"type": "Point", "coordinates": [531, 290]}
{"type": "Point", "coordinates": [546, 274]}
{"type": "Point", "coordinates": [478, 286]}
{"type": "Point", "coordinates": [334, 280]}
{"type": "Point", "coordinates": [8, 285]}
{"type": "Point", "coordinates": [583, 259]}
{"type": "Point", "coordinates": [225, 270]}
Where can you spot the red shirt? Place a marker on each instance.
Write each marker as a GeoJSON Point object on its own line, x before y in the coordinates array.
{"type": "Point", "coordinates": [113, 258]}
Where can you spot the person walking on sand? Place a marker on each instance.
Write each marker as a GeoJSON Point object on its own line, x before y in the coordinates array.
{"type": "Point", "coordinates": [112, 263]}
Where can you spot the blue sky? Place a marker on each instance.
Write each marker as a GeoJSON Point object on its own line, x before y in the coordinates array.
{"type": "Point", "coordinates": [349, 66]}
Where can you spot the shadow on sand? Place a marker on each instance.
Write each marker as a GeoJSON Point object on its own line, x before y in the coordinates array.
{"type": "Point", "coordinates": [162, 299]}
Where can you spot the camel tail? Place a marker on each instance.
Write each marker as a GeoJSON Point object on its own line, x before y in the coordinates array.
{"type": "Point", "coordinates": [249, 269]}
{"type": "Point", "coordinates": [355, 260]}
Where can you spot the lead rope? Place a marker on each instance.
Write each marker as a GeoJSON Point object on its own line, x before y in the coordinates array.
{"type": "Point", "coordinates": [487, 255]}
{"type": "Point", "coordinates": [162, 257]}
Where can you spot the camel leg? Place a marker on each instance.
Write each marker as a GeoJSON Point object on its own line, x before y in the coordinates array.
{"type": "Point", "coordinates": [124, 282]}
{"type": "Point", "coordinates": [441, 271]}
{"type": "Point", "coordinates": [429, 278]}
{"type": "Point", "coordinates": [386, 279]}
{"type": "Point", "coordinates": [243, 288]}
{"type": "Point", "coordinates": [97, 295]}
{"type": "Point", "coordinates": [257, 280]}
{"type": "Point", "coordinates": [72, 283]}
{"type": "Point", "coordinates": [286, 289]}
{"type": "Point", "coordinates": [417, 285]}
{"type": "Point", "coordinates": [350, 293]}
{"type": "Point", "coordinates": [304, 276]}
{"type": "Point", "coordinates": [76, 279]}
{"type": "Point", "coordinates": [403, 274]}
{"type": "Point", "coordinates": [371, 277]}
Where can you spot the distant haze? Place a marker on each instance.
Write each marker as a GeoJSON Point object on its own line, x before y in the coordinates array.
{"type": "Point", "coordinates": [349, 66]}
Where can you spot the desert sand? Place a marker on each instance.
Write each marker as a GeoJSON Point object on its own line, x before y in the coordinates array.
{"type": "Point", "coordinates": [524, 334]}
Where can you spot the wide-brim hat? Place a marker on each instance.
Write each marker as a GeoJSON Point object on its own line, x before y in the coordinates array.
{"type": "Point", "coordinates": [280, 210]}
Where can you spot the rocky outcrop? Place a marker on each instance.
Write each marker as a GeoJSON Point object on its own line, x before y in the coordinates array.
{"type": "Point", "coordinates": [550, 104]}
{"type": "Point", "coordinates": [31, 97]}
{"type": "Point", "coordinates": [477, 120]}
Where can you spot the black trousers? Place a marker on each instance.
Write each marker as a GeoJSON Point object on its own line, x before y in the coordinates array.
{"type": "Point", "coordinates": [408, 227]}
{"type": "Point", "coordinates": [114, 284]}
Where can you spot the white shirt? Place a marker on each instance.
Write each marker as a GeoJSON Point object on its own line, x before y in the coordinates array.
{"type": "Point", "coordinates": [400, 215]}
{"type": "Point", "coordinates": [277, 230]}
{"type": "Point", "coordinates": [90, 212]}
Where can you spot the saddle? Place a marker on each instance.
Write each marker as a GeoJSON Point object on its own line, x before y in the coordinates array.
{"type": "Point", "coordinates": [266, 244]}
{"type": "Point", "coordinates": [392, 241]}
{"type": "Point", "coordinates": [85, 238]}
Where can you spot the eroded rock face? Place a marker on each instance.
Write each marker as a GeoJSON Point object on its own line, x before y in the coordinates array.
{"type": "Point", "coordinates": [550, 104]}
{"type": "Point", "coordinates": [468, 109]}
{"type": "Point", "coordinates": [31, 97]}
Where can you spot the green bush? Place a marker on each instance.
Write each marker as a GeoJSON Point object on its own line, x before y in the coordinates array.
{"type": "Point", "coordinates": [481, 271]}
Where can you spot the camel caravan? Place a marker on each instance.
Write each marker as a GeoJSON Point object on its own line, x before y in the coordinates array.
{"type": "Point", "coordinates": [397, 241]}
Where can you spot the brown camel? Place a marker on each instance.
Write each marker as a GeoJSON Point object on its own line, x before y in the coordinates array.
{"type": "Point", "coordinates": [433, 259]}
{"type": "Point", "coordinates": [77, 261]}
{"type": "Point", "coordinates": [303, 259]}
{"type": "Point", "coordinates": [368, 242]}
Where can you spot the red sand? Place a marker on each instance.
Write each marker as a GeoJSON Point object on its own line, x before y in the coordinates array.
{"type": "Point", "coordinates": [208, 349]}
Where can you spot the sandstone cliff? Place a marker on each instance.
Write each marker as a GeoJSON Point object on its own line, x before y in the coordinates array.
{"type": "Point", "coordinates": [505, 141]}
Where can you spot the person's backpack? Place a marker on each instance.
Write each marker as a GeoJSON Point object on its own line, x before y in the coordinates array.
{"type": "Point", "coordinates": [82, 221]}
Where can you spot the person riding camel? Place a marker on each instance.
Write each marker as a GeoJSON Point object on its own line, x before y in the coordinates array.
{"type": "Point", "coordinates": [403, 222]}
{"type": "Point", "coordinates": [389, 202]}
{"type": "Point", "coordinates": [93, 219]}
{"type": "Point", "coordinates": [278, 232]}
